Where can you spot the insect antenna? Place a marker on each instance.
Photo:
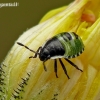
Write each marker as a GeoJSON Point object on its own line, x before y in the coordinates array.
{"type": "Point", "coordinates": [36, 53]}
{"type": "Point", "coordinates": [25, 47]}
{"type": "Point", "coordinates": [73, 64]}
{"type": "Point", "coordinates": [55, 67]}
{"type": "Point", "coordinates": [64, 68]}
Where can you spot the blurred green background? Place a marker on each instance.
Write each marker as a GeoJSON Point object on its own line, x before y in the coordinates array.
{"type": "Point", "coordinates": [15, 20]}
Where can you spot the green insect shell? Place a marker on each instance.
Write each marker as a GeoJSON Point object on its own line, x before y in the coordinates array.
{"type": "Point", "coordinates": [72, 44]}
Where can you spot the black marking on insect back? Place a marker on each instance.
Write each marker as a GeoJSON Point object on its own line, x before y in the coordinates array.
{"type": "Point", "coordinates": [76, 36]}
{"type": "Point", "coordinates": [77, 54]}
{"type": "Point", "coordinates": [69, 57]}
{"type": "Point", "coordinates": [67, 35]}
{"type": "Point", "coordinates": [82, 51]}
{"type": "Point", "coordinates": [52, 48]}
{"type": "Point", "coordinates": [73, 56]}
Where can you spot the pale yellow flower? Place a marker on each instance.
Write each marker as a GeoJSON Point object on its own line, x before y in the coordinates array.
{"type": "Point", "coordinates": [22, 78]}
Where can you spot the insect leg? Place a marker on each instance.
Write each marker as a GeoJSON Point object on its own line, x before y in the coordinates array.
{"type": "Point", "coordinates": [55, 67]}
{"type": "Point", "coordinates": [44, 66]}
{"type": "Point", "coordinates": [64, 68]}
{"type": "Point", "coordinates": [45, 61]}
{"type": "Point", "coordinates": [73, 64]}
{"type": "Point", "coordinates": [36, 53]}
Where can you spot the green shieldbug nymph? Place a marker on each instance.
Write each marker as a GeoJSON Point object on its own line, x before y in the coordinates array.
{"type": "Point", "coordinates": [64, 45]}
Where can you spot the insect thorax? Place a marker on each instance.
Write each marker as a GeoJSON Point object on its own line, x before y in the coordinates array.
{"type": "Point", "coordinates": [53, 47]}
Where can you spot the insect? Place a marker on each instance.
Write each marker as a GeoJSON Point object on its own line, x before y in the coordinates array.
{"type": "Point", "coordinates": [63, 45]}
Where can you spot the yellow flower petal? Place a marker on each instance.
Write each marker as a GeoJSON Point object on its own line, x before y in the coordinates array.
{"type": "Point", "coordinates": [25, 79]}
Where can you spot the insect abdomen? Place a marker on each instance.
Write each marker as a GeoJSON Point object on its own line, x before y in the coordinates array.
{"type": "Point", "coordinates": [72, 44]}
